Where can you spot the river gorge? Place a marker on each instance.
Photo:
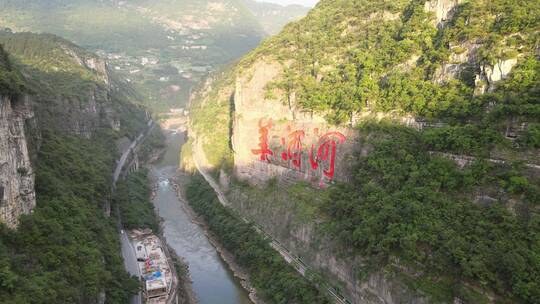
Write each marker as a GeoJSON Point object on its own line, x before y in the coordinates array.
{"type": "Point", "coordinates": [213, 281]}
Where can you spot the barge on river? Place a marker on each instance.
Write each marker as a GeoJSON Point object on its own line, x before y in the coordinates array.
{"type": "Point", "coordinates": [155, 268]}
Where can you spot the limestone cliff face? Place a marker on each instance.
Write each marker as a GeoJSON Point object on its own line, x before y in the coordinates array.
{"type": "Point", "coordinates": [17, 195]}
{"type": "Point", "coordinates": [87, 111]}
{"type": "Point", "coordinates": [71, 89]}
{"type": "Point", "coordinates": [464, 57]}
{"type": "Point", "coordinates": [73, 93]}
{"type": "Point", "coordinates": [274, 137]}
{"type": "Point", "coordinates": [443, 10]}
{"type": "Point", "coordinates": [80, 116]}
{"type": "Point", "coordinates": [490, 74]}
{"type": "Point", "coordinates": [274, 140]}
{"type": "Point", "coordinates": [279, 216]}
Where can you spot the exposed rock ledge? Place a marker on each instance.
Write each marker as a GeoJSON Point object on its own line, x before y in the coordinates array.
{"type": "Point", "coordinates": [443, 9]}
{"type": "Point", "coordinates": [17, 195]}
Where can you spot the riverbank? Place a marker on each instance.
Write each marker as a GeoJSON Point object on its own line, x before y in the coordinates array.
{"type": "Point", "coordinates": [179, 183]}
{"type": "Point", "coordinates": [276, 281]}
{"type": "Point", "coordinates": [211, 279]}
{"type": "Point", "coordinates": [136, 193]}
{"type": "Point", "coordinates": [184, 292]}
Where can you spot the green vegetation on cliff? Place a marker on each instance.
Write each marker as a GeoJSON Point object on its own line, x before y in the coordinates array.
{"type": "Point", "coordinates": [133, 197]}
{"type": "Point", "coordinates": [406, 203]}
{"type": "Point", "coordinates": [58, 74]}
{"type": "Point", "coordinates": [470, 80]}
{"type": "Point", "coordinates": [274, 279]}
{"type": "Point", "coordinates": [350, 55]}
{"type": "Point", "coordinates": [10, 79]}
{"type": "Point", "coordinates": [67, 251]}
{"type": "Point", "coordinates": [54, 65]}
{"type": "Point", "coordinates": [210, 119]}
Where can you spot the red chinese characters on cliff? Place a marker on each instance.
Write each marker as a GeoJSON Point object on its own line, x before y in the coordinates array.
{"type": "Point", "coordinates": [323, 153]}
{"type": "Point", "coordinates": [326, 151]}
{"type": "Point", "coordinates": [294, 148]}
{"type": "Point", "coordinates": [264, 151]}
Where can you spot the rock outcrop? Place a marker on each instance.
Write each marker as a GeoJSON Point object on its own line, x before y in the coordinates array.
{"type": "Point", "coordinates": [498, 71]}
{"type": "Point", "coordinates": [443, 10]}
{"type": "Point", "coordinates": [17, 195]}
{"type": "Point", "coordinates": [278, 216]}
{"type": "Point", "coordinates": [463, 56]}
{"type": "Point", "coordinates": [90, 109]}
{"type": "Point", "coordinates": [90, 101]}
{"type": "Point", "coordinates": [273, 140]}
{"type": "Point", "coordinates": [80, 116]}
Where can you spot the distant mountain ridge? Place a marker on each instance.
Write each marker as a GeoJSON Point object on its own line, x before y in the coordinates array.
{"type": "Point", "coordinates": [111, 25]}
{"type": "Point", "coordinates": [273, 17]}
{"type": "Point", "coordinates": [162, 47]}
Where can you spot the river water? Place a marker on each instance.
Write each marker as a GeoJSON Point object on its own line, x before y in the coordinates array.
{"type": "Point", "coordinates": [213, 282]}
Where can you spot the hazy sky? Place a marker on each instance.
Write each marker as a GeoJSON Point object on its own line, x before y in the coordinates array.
{"type": "Point", "coordinates": [285, 2]}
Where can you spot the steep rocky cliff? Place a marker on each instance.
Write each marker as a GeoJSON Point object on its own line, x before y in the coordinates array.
{"type": "Point", "coordinates": [295, 89]}
{"type": "Point", "coordinates": [17, 194]}
{"type": "Point", "coordinates": [71, 89]}
{"type": "Point", "coordinates": [61, 112]}
{"type": "Point", "coordinates": [288, 213]}
{"type": "Point", "coordinates": [67, 90]}
{"type": "Point", "coordinates": [462, 74]}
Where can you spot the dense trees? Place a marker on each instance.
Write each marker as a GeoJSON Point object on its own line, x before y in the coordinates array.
{"type": "Point", "coordinates": [467, 229]}
{"type": "Point", "coordinates": [133, 197]}
{"type": "Point", "coordinates": [406, 203]}
{"type": "Point", "coordinates": [10, 79]}
{"type": "Point", "coordinates": [67, 251]}
{"type": "Point", "coordinates": [352, 56]}
{"type": "Point", "coordinates": [50, 63]}
{"type": "Point", "coordinates": [274, 279]}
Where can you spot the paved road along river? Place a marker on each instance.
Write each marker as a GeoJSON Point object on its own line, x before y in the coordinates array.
{"type": "Point", "coordinates": [213, 282]}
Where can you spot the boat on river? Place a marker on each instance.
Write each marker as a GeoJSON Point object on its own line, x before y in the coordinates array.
{"type": "Point", "coordinates": [156, 269]}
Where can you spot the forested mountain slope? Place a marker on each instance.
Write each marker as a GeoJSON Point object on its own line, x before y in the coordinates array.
{"type": "Point", "coordinates": [420, 122]}
{"type": "Point", "coordinates": [61, 112]}
{"type": "Point", "coordinates": [61, 77]}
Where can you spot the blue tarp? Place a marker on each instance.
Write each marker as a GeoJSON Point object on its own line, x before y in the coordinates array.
{"type": "Point", "coordinates": [153, 276]}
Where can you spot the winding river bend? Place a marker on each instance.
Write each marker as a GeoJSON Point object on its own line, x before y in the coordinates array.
{"type": "Point", "coordinates": [213, 282]}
